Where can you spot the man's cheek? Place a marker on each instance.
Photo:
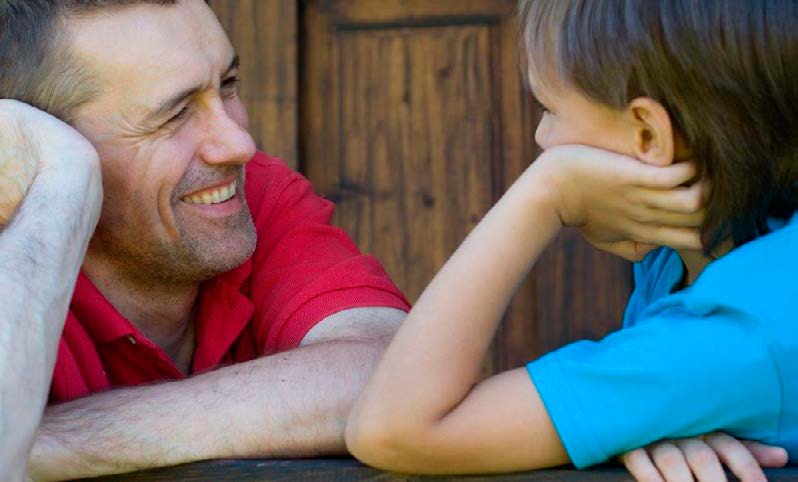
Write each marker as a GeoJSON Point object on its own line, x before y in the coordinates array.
{"type": "Point", "coordinates": [238, 112]}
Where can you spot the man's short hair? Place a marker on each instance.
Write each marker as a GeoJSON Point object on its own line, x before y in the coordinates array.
{"type": "Point", "coordinates": [36, 66]}
{"type": "Point", "coordinates": [725, 70]}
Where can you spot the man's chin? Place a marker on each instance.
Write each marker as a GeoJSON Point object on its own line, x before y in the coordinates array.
{"type": "Point", "coordinates": [228, 260]}
{"type": "Point", "coordinates": [221, 248]}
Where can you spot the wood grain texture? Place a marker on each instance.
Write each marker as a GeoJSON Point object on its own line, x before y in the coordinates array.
{"type": "Point", "coordinates": [264, 33]}
{"type": "Point", "coordinates": [415, 121]}
{"type": "Point", "coordinates": [347, 469]}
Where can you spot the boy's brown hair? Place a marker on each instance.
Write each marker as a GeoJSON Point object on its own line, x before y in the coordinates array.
{"type": "Point", "coordinates": [726, 71]}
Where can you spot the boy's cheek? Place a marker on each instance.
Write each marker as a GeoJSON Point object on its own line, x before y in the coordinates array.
{"type": "Point", "coordinates": [543, 133]}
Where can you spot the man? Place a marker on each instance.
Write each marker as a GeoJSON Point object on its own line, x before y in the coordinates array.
{"type": "Point", "coordinates": [206, 256]}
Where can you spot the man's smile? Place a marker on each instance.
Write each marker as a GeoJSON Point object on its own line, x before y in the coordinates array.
{"type": "Point", "coordinates": [217, 201]}
{"type": "Point", "coordinates": [212, 195]}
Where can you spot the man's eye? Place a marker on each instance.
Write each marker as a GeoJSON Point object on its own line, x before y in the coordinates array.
{"type": "Point", "coordinates": [180, 115]}
{"type": "Point", "coordinates": [231, 83]}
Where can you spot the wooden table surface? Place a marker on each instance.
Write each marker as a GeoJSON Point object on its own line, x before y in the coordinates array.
{"type": "Point", "coordinates": [347, 469]}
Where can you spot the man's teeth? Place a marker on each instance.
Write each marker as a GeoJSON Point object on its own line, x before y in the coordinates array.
{"type": "Point", "coordinates": [213, 197]}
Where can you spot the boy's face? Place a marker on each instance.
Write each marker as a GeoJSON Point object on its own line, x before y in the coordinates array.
{"type": "Point", "coordinates": [571, 118]}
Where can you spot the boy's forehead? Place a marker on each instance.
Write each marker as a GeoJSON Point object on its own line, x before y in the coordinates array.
{"type": "Point", "coordinates": [533, 80]}
{"type": "Point", "coordinates": [545, 89]}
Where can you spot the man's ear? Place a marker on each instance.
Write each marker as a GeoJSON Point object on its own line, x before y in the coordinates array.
{"type": "Point", "coordinates": [653, 132]}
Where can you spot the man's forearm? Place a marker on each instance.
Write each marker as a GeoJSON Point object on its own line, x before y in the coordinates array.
{"type": "Point", "coordinates": [287, 405]}
{"type": "Point", "coordinates": [41, 251]}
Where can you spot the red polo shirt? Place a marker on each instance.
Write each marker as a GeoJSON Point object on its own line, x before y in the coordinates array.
{"type": "Point", "coordinates": [302, 271]}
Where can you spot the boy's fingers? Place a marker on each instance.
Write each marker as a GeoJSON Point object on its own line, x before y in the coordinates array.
{"type": "Point", "coordinates": [648, 215]}
{"type": "Point", "coordinates": [639, 464]}
{"type": "Point", "coordinates": [703, 461]}
{"type": "Point", "coordinates": [629, 250]}
{"type": "Point", "coordinates": [666, 177]}
{"type": "Point", "coordinates": [736, 456]}
{"type": "Point", "coordinates": [767, 455]}
{"type": "Point", "coordinates": [671, 462]}
{"type": "Point", "coordinates": [679, 199]}
{"type": "Point", "coordinates": [674, 237]}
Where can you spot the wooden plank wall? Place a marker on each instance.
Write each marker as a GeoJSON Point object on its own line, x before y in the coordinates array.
{"type": "Point", "coordinates": [411, 116]}
{"type": "Point", "coordinates": [264, 33]}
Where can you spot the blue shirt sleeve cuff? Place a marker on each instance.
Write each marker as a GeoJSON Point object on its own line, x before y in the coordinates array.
{"type": "Point", "coordinates": [567, 416]}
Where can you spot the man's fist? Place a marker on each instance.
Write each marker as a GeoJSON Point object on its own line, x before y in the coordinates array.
{"type": "Point", "coordinates": [32, 140]}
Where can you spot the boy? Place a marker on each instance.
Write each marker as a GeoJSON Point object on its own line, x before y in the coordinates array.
{"type": "Point", "coordinates": [709, 338]}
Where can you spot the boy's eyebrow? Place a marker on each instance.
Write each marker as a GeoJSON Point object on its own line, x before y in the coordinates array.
{"type": "Point", "coordinates": [172, 102]}
{"type": "Point", "coordinates": [538, 102]}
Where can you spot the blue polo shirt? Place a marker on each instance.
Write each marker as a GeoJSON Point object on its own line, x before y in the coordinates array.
{"type": "Point", "coordinates": [720, 355]}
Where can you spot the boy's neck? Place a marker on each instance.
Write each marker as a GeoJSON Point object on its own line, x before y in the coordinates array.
{"type": "Point", "coordinates": [695, 261]}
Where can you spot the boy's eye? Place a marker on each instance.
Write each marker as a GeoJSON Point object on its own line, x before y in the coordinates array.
{"type": "Point", "coordinates": [540, 105]}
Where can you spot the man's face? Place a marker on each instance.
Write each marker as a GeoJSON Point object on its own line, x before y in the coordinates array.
{"type": "Point", "coordinates": [171, 134]}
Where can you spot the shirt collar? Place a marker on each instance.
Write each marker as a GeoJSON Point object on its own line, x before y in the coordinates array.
{"type": "Point", "coordinates": [97, 315]}
{"type": "Point", "coordinates": [223, 312]}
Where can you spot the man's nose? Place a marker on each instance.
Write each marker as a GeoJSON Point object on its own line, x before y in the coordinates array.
{"type": "Point", "coordinates": [227, 141]}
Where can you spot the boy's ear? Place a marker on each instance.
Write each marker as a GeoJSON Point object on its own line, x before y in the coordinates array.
{"type": "Point", "coordinates": [653, 132]}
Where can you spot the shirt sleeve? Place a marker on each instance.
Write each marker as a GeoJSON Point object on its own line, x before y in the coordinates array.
{"type": "Point", "coordinates": [304, 269]}
{"type": "Point", "coordinates": [672, 375]}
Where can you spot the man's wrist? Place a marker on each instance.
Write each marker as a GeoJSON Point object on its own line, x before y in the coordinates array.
{"type": "Point", "coordinates": [73, 195]}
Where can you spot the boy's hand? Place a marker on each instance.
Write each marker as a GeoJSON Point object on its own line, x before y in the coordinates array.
{"type": "Point", "coordinates": [702, 458]}
{"type": "Point", "coordinates": [622, 205]}
{"type": "Point", "coordinates": [30, 141]}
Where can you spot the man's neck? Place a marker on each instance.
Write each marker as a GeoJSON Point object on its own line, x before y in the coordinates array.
{"type": "Point", "coordinates": [163, 312]}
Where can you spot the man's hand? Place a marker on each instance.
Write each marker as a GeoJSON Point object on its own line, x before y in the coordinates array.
{"type": "Point", "coordinates": [622, 205]}
{"type": "Point", "coordinates": [50, 200]}
{"type": "Point", "coordinates": [702, 458]}
{"type": "Point", "coordinates": [31, 140]}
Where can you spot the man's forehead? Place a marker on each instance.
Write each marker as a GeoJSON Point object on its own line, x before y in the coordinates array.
{"type": "Point", "coordinates": [142, 51]}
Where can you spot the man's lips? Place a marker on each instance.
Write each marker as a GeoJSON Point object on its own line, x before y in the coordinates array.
{"type": "Point", "coordinates": [213, 195]}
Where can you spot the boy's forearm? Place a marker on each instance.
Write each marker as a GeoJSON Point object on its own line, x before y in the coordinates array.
{"type": "Point", "coordinates": [40, 255]}
{"type": "Point", "coordinates": [436, 357]}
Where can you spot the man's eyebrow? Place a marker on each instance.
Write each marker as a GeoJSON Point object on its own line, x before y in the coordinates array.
{"type": "Point", "coordinates": [172, 102]}
{"type": "Point", "coordinates": [233, 65]}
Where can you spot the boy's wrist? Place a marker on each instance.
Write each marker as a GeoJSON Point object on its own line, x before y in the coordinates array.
{"type": "Point", "coordinates": [529, 209]}
{"type": "Point", "coordinates": [543, 182]}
